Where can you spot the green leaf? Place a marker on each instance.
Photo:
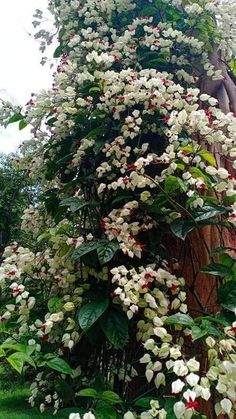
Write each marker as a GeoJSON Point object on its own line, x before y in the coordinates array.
{"type": "Point", "coordinates": [169, 404]}
{"type": "Point", "coordinates": [115, 327]}
{"type": "Point", "coordinates": [15, 118]}
{"type": "Point", "coordinates": [208, 211]}
{"type": "Point", "coordinates": [227, 295]}
{"type": "Point", "coordinates": [18, 347]}
{"type": "Point", "coordinates": [207, 156]}
{"type": "Point", "coordinates": [181, 227]}
{"type": "Point", "coordinates": [197, 173]}
{"type": "Point", "coordinates": [58, 51]}
{"type": "Point", "coordinates": [198, 332]}
{"type": "Point", "coordinates": [107, 250]}
{"type": "Point", "coordinates": [88, 392]}
{"type": "Point", "coordinates": [217, 269]}
{"type": "Point", "coordinates": [94, 89]}
{"type": "Point", "coordinates": [105, 411]}
{"type": "Point", "coordinates": [59, 365]}
{"type": "Point", "coordinates": [55, 304]}
{"type": "Point", "coordinates": [99, 131]}
{"type": "Point", "coordinates": [76, 204]}
{"type": "Point", "coordinates": [86, 248]}
{"type": "Point", "coordinates": [2, 352]}
{"type": "Point", "coordinates": [225, 318]}
{"type": "Point", "coordinates": [179, 318]}
{"type": "Point", "coordinates": [90, 313]}
{"type": "Point", "coordinates": [172, 184]}
{"type": "Point", "coordinates": [18, 360]}
{"type": "Point", "coordinates": [144, 402]}
{"type": "Point", "coordinates": [22, 124]}
{"type": "Point", "coordinates": [110, 397]}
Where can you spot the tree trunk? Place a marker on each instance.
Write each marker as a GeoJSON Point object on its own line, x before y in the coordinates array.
{"type": "Point", "coordinates": [195, 252]}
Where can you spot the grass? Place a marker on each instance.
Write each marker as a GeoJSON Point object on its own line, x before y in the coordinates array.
{"type": "Point", "coordinates": [14, 405]}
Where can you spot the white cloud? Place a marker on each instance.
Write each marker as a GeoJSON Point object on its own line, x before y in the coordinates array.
{"type": "Point", "coordinates": [20, 72]}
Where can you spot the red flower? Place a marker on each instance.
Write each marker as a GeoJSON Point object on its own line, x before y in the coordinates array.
{"type": "Point", "coordinates": [192, 404]}
{"type": "Point", "coordinates": [233, 329]}
{"type": "Point", "coordinates": [148, 276]}
{"type": "Point", "coordinates": [12, 273]}
{"type": "Point", "coordinates": [166, 118]}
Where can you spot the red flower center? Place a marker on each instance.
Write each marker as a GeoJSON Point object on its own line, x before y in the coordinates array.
{"type": "Point", "coordinates": [192, 404]}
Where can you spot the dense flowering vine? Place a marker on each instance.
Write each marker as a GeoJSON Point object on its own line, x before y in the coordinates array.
{"type": "Point", "coordinates": [132, 155]}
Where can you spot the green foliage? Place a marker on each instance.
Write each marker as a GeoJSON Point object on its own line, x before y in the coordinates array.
{"type": "Point", "coordinates": [59, 365]}
{"type": "Point", "coordinates": [91, 312]}
{"type": "Point", "coordinates": [115, 327]}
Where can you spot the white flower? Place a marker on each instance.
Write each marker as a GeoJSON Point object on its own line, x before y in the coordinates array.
{"type": "Point", "coordinates": [177, 386]}
{"type": "Point", "coordinates": [226, 405]}
{"type": "Point", "coordinates": [160, 380]}
{"type": "Point", "coordinates": [189, 395]}
{"type": "Point", "coordinates": [179, 409]}
{"type": "Point", "coordinates": [128, 415]}
{"type": "Point", "coordinates": [223, 173]}
{"type": "Point", "coordinates": [193, 365]}
{"type": "Point", "coordinates": [74, 416]}
{"type": "Point", "coordinates": [89, 415]}
{"type": "Point", "coordinates": [192, 379]}
{"type": "Point", "coordinates": [180, 368]}
{"type": "Point", "coordinates": [69, 306]}
{"type": "Point", "coordinates": [211, 170]}
{"type": "Point", "coordinates": [149, 375]}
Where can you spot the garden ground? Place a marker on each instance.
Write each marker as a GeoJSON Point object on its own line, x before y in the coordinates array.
{"type": "Point", "coordinates": [14, 405]}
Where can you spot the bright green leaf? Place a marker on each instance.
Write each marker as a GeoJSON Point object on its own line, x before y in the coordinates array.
{"type": "Point", "coordinates": [55, 304]}
{"type": "Point", "coordinates": [88, 392]}
{"type": "Point", "coordinates": [59, 365]}
{"type": "Point", "coordinates": [180, 318]}
{"type": "Point", "coordinates": [207, 156]}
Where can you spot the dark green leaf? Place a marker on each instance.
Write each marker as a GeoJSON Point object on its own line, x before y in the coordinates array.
{"type": "Point", "coordinates": [217, 269]}
{"type": "Point", "coordinates": [107, 250]}
{"type": "Point", "coordinates": [76, 204]}
{"type": "Point", "coordinates": [110, 397]}
{"type": "Point", "coordinates": [115, 327]}
{"type": "Point", "coordinates": [181, 227]}
{"type": "Point", "coordinates": [15, 118]}
{"type": "Point", "coordinates": [208, 211]}
{"type": "Point", "coordinates": [58, 51]}
{"type": "Point", "coordinates": [90, 313]}
{"type": "Point", "coordinates": [144, 402]}
{"type": "Point", "coordinates": [105, 411]}
{"type": "Point", "coordinates": [227, 295]}
{"type": "Point", "coordinates": [86, 248]}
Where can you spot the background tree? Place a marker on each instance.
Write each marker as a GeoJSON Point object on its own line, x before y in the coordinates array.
{"type": "Point", "coordinates": [17, 193]}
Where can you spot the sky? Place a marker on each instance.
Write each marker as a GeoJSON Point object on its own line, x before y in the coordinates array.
{"type": "Point", "coordinates": [20, 71]}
